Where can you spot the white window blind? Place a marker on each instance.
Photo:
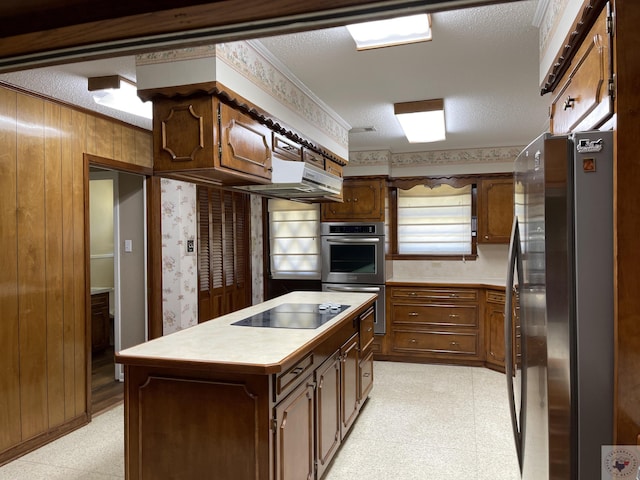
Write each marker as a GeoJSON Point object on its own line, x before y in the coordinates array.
{"type": "Point", "coordinates": [434, 221]}
{"type": "Point", "coordinates": [294, 239]}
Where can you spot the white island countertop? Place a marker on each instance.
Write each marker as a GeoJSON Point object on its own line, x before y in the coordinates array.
{"type": "Point", "coordinates": [217, 341]}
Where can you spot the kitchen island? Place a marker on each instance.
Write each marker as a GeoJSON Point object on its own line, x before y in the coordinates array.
{"type": "Point", "coordinates": [240, 401]}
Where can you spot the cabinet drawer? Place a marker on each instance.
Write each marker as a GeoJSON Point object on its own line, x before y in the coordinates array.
{"type": "Point", "coordinates": [313, 158]}
{"type": "Point", "coordinates": [293, 375]}
{"type": "Point", "coordinates": [436, 294]}
{"type": "Point", "coordinates": [494, 296]}
{"type": "Point", "coordinates": [286, 148]}
{"type": "Point", "coordinates": [442, 343]}
{"type": "Point", "coordinates": [332, 167]}
{"type": "Point", "coordinates": [100, 300]}
{"type": "Point", "coordinates": [445, 315]}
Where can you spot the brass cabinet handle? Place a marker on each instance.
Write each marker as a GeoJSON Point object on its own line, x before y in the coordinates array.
{"type": "Point", "coordinates": [454, 344]}
{"type": "Point", "coordinates": [413, 314]}
{"type": "Point", "coordinates": [297, 370]}
{"type": "Point", "coordinates": [413, 340]}
{"type": "Point", "coordinates": [453, 315]}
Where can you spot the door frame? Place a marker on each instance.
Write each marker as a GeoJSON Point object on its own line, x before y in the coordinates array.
{"type": "Point", "coordinates": [153, 257]}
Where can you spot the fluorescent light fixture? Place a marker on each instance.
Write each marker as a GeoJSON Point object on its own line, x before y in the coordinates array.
{"type": "Point", "coordinates": [114, 91]}
{"type": "Point", "coordinates": [393, 31]}
{"type": "Point", "coordinates": [422, 121]}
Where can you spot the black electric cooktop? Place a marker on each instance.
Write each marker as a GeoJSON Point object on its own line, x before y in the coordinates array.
{"type": "Point", "coordinates": [294, 315]}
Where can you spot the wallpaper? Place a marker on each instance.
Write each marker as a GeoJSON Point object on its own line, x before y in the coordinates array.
{"type": "Point", "coordinates": [437, 157]}
{"type": "Point", "coordinates": [179, 269]}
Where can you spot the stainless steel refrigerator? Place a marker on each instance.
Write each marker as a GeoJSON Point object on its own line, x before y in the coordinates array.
{"type": "Point", "coordinates": [559, 312]}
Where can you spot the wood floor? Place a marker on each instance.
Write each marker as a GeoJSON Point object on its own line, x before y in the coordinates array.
{"type": "Point", "coordinates": [106, 392]}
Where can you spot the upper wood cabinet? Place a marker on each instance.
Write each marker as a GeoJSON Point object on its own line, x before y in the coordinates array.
{"type": "Point", "coordinates": [200, 138]}
{"type": "Point", "coordinates": [583, 99]}
{"type": "Point", "coordinates": [495, 210]}
{"type": "Point", "coordinates": [362, 200]}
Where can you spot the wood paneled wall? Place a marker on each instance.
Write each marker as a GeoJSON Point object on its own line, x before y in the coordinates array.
{"type": "Point", "coordinates": [44, 376]}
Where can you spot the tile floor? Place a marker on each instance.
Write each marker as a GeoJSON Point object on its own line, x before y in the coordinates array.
{"type": "Point", "coordinates": [426, 422]}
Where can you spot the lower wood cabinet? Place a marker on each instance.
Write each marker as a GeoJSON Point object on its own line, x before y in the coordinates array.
{"type": "Point", "coordinates": [294, 456]}
{"type": "Point", "coordinates": [349, 383]}
{"type": "Point", "coordinates": [441, 324]}
{"type": "Point", "coordinates": [494, 318]}
{"type": "Point", "coordinates": [328, 407]}
{"type": "Point", "coordinates": [100, 321]}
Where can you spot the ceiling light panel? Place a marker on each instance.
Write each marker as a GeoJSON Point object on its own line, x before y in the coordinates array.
{"type": "Point", "coordinates": [119, 93]}
{"type": "Point", "coordinates": [393, 31]}
{"type": "Point", "coordinates": [422, 121]}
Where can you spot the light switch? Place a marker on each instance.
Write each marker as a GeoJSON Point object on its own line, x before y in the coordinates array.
{"type": "Point", "coordinates": [128, 246]}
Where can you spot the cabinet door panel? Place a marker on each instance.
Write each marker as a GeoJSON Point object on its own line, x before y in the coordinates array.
{"type": "Point", "coordinates": [328, 412]}
{"type": "Point", "coordinates": [495, 210]}
{"type": "Point", "coordinates": [349, 383]}
{"type": "Point", "coordinates": [294, 449]}
{"type": "Point", "coordinates": [362, 199]}
{"type": "Point", "coordinates": [246, 144]}
{"type": "Point", "coordinates": [583, 101]}
{"type": "Point", "coordinates": [366, 377]}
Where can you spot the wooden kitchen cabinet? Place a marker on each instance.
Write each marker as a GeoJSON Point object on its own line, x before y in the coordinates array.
{"type": "Point", "coordinates": [583, 99]}
{"type": "Point", "coordinates": [438, 324]}
{"type": "Point", "coordinates": [199, 138]}
{"type": "Point", "coordinates": [100, 321]}
{"type": "Point", "coordinates": [494, 319]}
{"type": "Point", "coordinates": [294, 438]}
{"type": "Point", "coordinates": [350, 402]}
{"type": "Point", "coordinates": [363, 199]}
{"type": "Point", "coordinates": [495, 210]}
{"type": "Point", "coordinates": [328, 406]}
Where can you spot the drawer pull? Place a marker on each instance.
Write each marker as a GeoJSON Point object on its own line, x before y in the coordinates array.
{"type": "Point", "coordinates": [413, 314]}
{"type": "Point", "coordinates": [569, 103]}
{"type": "Point", "coordinates": [297, 370]}
{"type": "Point", "coordinates": [454, 344]}
{"type": "Point", "coordinates": [453, 315]}
{"type": "Point", "coordinates": [413, 340]}
{"type": "Point", "coordinates": [453, 295]}
{"type": "Point", "coordinates": [369, 329]}
{"type": "Point", "coordinates": [365, 375]}
{"type": "Point", "coordinates": [413, 294]}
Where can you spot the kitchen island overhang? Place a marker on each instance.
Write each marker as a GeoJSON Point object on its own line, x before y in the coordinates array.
{"type": "Point", "coordinates": [244, 402]}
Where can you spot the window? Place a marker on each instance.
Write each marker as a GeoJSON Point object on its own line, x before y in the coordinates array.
{"type": "Point", "coordinates": [435, 220]}
{"type": "Point", "coordinates": [294, 239]}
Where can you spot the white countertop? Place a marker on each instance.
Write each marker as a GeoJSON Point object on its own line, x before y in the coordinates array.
{"type": "Point", "coordinates": [217, 341]}
{"type": "Point", "coordinates": [483, 281]}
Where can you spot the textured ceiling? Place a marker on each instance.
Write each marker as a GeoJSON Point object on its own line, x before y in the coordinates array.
{"type": "Point", "coordinates": [482, 61]}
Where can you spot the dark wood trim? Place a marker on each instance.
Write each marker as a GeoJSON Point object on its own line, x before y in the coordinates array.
{"type": "Point", "coordinates": [44, 438]}
{"type": "Point", "coordinates": [154, 257]}
{"type": "Point", "coordinates": [590, 11]}
{"type": "Point", "coordinates": [76, 31]}
{"type": "Point", "coordinates": [87, 285]}
{"type": "Point", "coordinates": [77, 108]}
{"type": "Point", "coordinates": [457, 181]}
{"type": "Point", "coordinates": [118, 165]}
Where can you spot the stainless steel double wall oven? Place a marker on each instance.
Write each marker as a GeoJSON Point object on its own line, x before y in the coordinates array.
{"type": "Point", "coordinates": [353, 261]}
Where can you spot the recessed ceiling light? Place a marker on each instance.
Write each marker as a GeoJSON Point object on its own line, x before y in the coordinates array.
{"type": "Point", "coordinates": [393, 31]}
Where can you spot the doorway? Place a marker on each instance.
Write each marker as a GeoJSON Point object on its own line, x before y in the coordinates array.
{"type": "Point", "coordinates": [118, 258]}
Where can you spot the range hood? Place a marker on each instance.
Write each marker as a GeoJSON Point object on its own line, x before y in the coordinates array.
{"type": "Point", "coordinates": [296, 179]}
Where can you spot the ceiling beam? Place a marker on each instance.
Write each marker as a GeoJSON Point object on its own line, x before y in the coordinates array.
{"type": "Point", "coordinates": [39, 33]}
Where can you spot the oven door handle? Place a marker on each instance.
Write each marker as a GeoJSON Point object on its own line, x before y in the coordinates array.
{"type": "Point", "coordinates": [353, 289]}
{"type": "Point", "coordinates": [354, 240]}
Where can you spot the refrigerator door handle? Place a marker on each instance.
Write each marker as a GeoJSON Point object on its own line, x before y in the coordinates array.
{"type": "Point", "coordinates": [515, 260]}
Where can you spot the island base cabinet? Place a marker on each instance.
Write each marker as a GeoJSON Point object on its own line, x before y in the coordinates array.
{"type": "Point", "coordinates": [350, 373]}
{"type": "Point", "coordinates": [294, 444]}
{"type": "Point", "coordinates": [179, 426]}
{"type": "Point", "coordinates": [327, 412]}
